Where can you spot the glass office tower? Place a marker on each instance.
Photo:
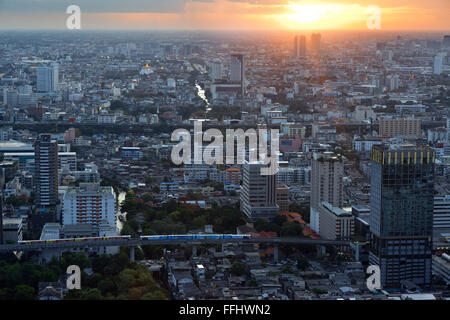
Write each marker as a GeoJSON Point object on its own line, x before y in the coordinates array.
{"type": "Point", "coordinates": [401, 222]}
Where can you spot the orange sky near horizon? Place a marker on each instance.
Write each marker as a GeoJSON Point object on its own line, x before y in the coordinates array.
{"type": "Point", "coordinates": [256, 15]}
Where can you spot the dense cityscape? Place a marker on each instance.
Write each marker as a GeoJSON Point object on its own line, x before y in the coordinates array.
{"type": "Point", "coordinates": [363, 179]}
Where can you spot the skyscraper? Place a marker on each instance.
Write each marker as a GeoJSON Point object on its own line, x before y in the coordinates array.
{"type": "Point", "coordinates": [89, 203]}
{"type": "Point", "coordinates": [258, 193]}
{"type": "Point", "coordinates": [216, 72]}
{"type": "Point", "coordinates": [327, 172]}
{"type": "Point", "coordinates": [315, 43]}
{"type": "Point", "coordinates": [47, 78]}
{"type": "Point", "coordinates": [299, 46]}
{"type": "Point", "coordinates": [437, 67]}
{"type": "Point", "coordinates": [237, 70]}
{"type": "Point", "coordinates": [46, 171]}
{"type": "Point", "coordinates": [446, 41]}
{"type": "Point", "coordinates": [401, 220]}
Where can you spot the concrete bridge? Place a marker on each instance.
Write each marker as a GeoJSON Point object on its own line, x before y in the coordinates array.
{"type": "Point", "coordinates": [139, 242]}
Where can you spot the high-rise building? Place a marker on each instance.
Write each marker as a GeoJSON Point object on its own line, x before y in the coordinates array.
{"type": "Point", "coordinates": [283, 198]}
{"type": "Point", "coordinates": [437, 67]}
{"type": "Point", "coordinates": [89, 203]}
{"type": "Point", "coordinates": [401, 206]}
{"type": "Point", "coordinates": [70, 135]}
{"type": "Point", "coordinates": [336, 223]}
{"type": "Point", "coordinates": [46, 171]}
{"type": "Point", "coordinates": [392, 82]}
{"type": "Point", "coordinates": [316, 43]}
{"type": "Point", "coordinates": [327, 172]}
{"type": "Point", "coordinates": [446, 41]}
{"type": "Point", "coordinates": [441, 214]}
{"type": "Point", "coordinates": [399, 127]}
{"type": "Point", "coordinates": [258, 193]}
{"type": "Point", "coordinates": [216, 72]}
{"type": "Point", "coordinates": [386, 55]}
{"type": "Point", "coordinates": [299, 46]}
{"type": "Point", "coordinates": [47, 79]}
{"type": "Point", "coordinates": [237, 70]}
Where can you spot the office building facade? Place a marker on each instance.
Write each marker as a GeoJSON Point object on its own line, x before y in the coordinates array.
{"type": "Point", "coordinates": [258, 193]}
{"type": "Point", "coordinates": [393, 127]}
{"type": "Point", "coordinates": [336, 223]}
{"type": "Point", "coordinates": [299, 46]}
{"type": "Point", "coordinates": [237, 70]}
{"type": "Point", "coordinates": [47, 79]}
{"type": "Point", "coordinates": [46, 171]}
{"type": "Point", "coordinates": [316, 39]}
{"type": "Point", "coordinates": [89, 204]}
{"type": "Point", "coordinates": [327, 172]}
{"type": "Point", "coordinates": [401, 205]}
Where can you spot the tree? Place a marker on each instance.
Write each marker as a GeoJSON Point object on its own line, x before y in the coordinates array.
{"type": "Point", "coordinates": [199, 222]}
{"type": "Point", "coordinates": [302, 263]}
{"type": "Point", "coordinates": [287, 269]}
{"type": "Point", "coordinates": [154, 295]}
{"type": "Point", "coordinates": [291, 229]}
{"type": "Point", "coordinates": [107, 286]}
{"type": "Point", "coordinates": [82, 260]}
{"type": "Point", "coordinates": [130, 195]}
{"type": "Point", "coordinates": [99, 263]}
{"type": "Point", "coordinates": [239, 269]}
{"type": "Point", "coordinates": [260, 225]}
{"type": "Point", "coordinates": [279, 220]}
{"type": "Point", "coordinates": [171, 205]}
{"type": "Point", "coordinates": [318, 291]}
{"type": "Point", "coordinates": [92, 294]}
{"type": "Point", "coordinates": [24, 292]}
{"type": "Point", "coordinates": [146, 197]}
{"type": "Point", "coordinates": [252, 283]}
{"type": "Point", "coordinates": [16, 201]}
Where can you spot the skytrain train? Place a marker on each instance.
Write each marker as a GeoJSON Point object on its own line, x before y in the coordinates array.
{"type": "Point", "coordinates": [196, 237]}
{"type": "Point", "coordinates": [146, 238]}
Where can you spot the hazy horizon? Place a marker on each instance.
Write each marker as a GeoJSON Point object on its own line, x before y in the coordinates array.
{"type": "Point", "coordinates": [216, 15]}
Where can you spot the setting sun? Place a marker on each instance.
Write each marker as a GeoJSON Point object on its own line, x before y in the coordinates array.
{"type": "Point", "coordinates": [323, 16]}
{"type": "Point", "coordinates": [306, 13]}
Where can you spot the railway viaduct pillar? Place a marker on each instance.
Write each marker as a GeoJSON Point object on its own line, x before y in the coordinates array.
{"type": "Point", "coordinates": [321, 250]}
{"type": "Point", "coordinates": [132, 258]}
{"type": "Point", "coordinates": [275, 253]}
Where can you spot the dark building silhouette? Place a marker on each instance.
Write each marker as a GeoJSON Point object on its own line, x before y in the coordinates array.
{"type": "Point", "coordinates": [46, 171]}
{"type": "Point", "coordinates": [401, 220]}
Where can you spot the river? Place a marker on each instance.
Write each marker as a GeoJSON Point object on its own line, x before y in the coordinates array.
{"type": "Point", "coordinates": [202, 95]}
{"type": "Point", "coordinates": [121, 199]}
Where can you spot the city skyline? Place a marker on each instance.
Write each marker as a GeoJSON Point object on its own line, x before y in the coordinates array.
{"type": "Point", "coordinates": [224, 150]}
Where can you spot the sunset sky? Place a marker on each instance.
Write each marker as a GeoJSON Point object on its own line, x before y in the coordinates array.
{"type": "Point", "coordinates": [227, 14]}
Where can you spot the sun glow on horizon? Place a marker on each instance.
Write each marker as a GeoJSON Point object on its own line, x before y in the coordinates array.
{"type": "Point", "coordinates": [321, 16]}
{"type": "Point", "coordinates": [250, 15]}
{"type": "Point", "coordinates": [305, 13]}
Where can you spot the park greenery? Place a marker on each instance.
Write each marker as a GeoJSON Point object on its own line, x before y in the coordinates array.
{"type": "Point", "coordinates": [175, 218]}
{"type": "Point", "coordinates": [103, 277]}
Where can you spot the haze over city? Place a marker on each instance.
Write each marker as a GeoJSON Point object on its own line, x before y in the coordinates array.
{"type": "Point", "coordinates": [227, 14]}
